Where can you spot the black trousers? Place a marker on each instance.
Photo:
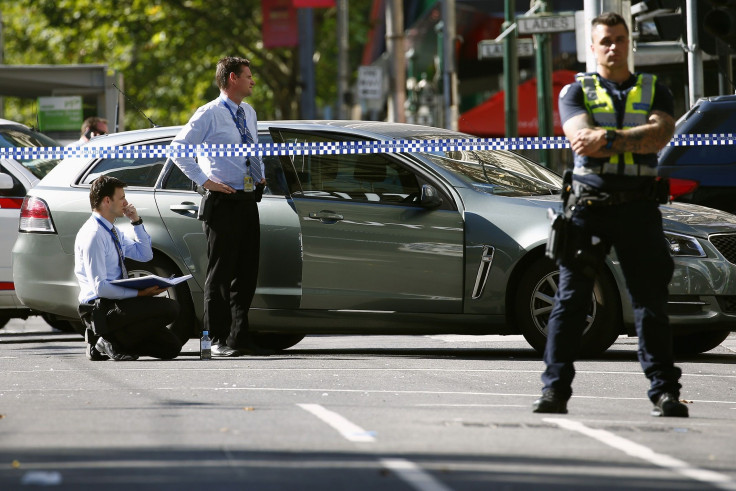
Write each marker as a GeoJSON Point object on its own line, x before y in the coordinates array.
{"type": "Point", "coordinates": [233, 247]}
{"type": "Point", "coordinates": [138, 325]}
{"type": "Point", "coordinates": [635, 231]}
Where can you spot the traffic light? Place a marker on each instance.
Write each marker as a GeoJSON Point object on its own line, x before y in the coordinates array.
{"type": "Point", "coordinates": [657, 20]}
{"type": "Point", "coordinates": [720, 21]}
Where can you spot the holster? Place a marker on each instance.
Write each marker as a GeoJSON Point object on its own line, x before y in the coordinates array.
{"type": "Point", "coordinates": [259, 191]}
{"type": "Point", "coordinates": [205, 206]}
{"type": "Point", "coordinates": [560, 223]}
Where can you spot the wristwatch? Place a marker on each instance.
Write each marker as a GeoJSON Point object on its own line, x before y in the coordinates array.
{"type": "Point", "coordinates": [610, 136]}
{"type": "Point", "coordinates": [137, 222]}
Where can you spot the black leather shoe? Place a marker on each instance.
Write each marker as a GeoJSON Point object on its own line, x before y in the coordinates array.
{"type": "Point", "coordinates": [669, 405]}
{"type": "Point", "coordinates": [223, 351]}
{"type": "Point", "coordinates": [93, 354]}
{"type": "Point", "coordinates": [105, 346]}
{"type": "Point", "coordinates": [550, 402]}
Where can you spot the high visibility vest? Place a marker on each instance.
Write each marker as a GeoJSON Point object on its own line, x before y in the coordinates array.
{"type": "Point", "coordinates": [600, 105]}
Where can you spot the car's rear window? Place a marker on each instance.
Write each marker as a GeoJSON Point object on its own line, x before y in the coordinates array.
{"type": "Point", "coordinates": [16, 136]}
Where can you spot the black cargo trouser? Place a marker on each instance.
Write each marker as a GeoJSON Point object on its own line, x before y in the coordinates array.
{"type": "Point", "coordinates": [137, 326]}
{"type": "Point", "coordinates": [634, 229]}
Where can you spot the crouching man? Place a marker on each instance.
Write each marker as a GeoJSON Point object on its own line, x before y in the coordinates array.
{"type": "Point", "coordinates": [121, 323]}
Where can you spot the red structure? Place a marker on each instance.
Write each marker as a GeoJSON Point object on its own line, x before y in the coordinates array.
{"type": "Point", "coordinates": [488, 119]}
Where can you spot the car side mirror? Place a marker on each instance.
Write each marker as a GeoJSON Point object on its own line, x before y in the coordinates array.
{"type": "Point", "coordinates": [429, 198]}
{"type": "Point", "coordinates": [6, 182]}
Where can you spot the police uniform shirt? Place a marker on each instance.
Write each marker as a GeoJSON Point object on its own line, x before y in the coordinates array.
{"type": "Point", "coordinates": [572, 103]}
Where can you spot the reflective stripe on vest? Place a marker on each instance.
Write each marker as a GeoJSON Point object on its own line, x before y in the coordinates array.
{"type": "Point", "coordinates": [638, 105]}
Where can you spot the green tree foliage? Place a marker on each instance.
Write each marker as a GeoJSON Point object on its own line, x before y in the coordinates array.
{"type": "Point", "coordinates": [167, 50]}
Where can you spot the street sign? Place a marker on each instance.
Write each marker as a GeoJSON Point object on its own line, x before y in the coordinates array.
{"type": "Point", "coordinates": [489, 48]}
{"type": "Point", "coordinates": [541, 24]}
{"type": "Point", "coordinates": [370, 82]}
{"type": "Point", "coordinates": [60, 113]}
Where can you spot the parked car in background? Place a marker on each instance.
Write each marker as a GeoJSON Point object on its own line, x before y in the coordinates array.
{"type": "Point", "coordinates": [392, 243]}
{"type": "Point", "coordinates": [17, 177]}
{"type": "Point", "coordinates": [704, 174]}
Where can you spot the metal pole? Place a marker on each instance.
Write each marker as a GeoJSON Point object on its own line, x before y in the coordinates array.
{"type": "Point", "coordinates": [308, 109]}
{"type": "Point", "coordinates": [395, 49]}
{"type": "Point", "coordinates": [694, 54]}
{"type": "Point", "coordinates": [510, 72]}
{"type": "Point", "coordinates": [543, 57]}
{"type": "Point", "coordinates": [342, 58]}
{"type": "Point", "coordinates": [449, 75]}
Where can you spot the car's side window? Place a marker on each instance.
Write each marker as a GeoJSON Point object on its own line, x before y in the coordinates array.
{"type": "Point", "coordinates": [18, 190]}
{"type": "Point", "coordinates": [135, 172]}
{"type": "Point", "coordinates": [177, 180]}
{"type": "Point", "coordinates": [353, 177]}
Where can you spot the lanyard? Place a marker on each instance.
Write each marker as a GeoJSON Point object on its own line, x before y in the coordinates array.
{"type": "Point", "coordinates": [237, 125]}
{"type": "Point", "coordinates": [118, 245]}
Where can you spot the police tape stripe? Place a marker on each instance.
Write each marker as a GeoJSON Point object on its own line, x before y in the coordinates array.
{"type": "Point", "coordinates": [327, 148]}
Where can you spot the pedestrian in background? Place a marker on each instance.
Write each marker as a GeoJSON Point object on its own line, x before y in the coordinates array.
{"type": "Point", "coordinates": [122, 323]}
{"type": "Point", "coordinates": [230, 209]}
{"type": "Point", "coordinates": [91, 127]}
{"type": "Point", "coordinates": [616, 122]}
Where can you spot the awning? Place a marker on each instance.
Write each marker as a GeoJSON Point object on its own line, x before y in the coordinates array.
{"type": "Point", "coordinates": [489, 118]}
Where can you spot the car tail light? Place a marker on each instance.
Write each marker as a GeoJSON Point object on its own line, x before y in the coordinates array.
{"type": "Point", "coordinates": [679, 187]}
{"type": "Point", "coordinates": [35, 216]}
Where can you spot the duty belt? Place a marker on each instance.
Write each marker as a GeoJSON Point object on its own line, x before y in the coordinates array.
{"type": "Point", "coordinates": [589, 196]}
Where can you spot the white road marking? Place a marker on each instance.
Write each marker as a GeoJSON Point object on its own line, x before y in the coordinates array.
{"type": "Point", "coordinates": [349, 430]}
{"type": "Point", "coordinates": [408, 471]}
{"type": "Point", "coordinates": [413, 475]}
{"type": "Point", "coordinates": [633, 449]}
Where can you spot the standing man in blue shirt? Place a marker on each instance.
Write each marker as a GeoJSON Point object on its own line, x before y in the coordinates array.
{"type": "Point", "coordinates": [122, 323]}
{"type": "Point", "coordinates": [231, 221]}
{"type": "Point", "coordinates": [616, 122]}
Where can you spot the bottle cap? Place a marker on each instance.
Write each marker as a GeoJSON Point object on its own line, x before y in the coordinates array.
{"type": "Point", "coordinates": [205, 333]}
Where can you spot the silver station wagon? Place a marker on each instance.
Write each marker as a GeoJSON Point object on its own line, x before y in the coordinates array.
{"type": "Point", "coordinates": [420, 242]}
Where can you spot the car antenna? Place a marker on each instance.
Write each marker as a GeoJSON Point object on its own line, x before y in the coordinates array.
{"type": "Point", "coordinates": [153, 125]}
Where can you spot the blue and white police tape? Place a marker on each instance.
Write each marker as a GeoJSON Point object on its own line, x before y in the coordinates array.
{"type": "Point", "coordinates": [326, 148]}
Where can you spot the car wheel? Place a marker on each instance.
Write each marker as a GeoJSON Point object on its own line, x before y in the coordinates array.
{"type": "Point", "coordinates": [535, 300]}
{"type": "Point", "coordinates": [276, 341]}
{"type": "Point", "coordinates": [698, 342]}
{"type": "Point", "coordinates": [63, 324]}
{"type": "Point", "coordinates": [184, 326]}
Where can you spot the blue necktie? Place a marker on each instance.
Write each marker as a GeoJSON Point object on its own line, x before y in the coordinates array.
{"type": "Point", "coordinates": [119, 248]}
{"type": "Point", "coordinates": [255, 162]}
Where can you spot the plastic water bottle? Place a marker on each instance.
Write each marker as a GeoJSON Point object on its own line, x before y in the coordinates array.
{"type": "Point", "coordinates": [205, 346]}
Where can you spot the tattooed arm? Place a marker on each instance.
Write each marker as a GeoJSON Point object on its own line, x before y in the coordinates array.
{"type": "Point", "coordinates": [589, 140]}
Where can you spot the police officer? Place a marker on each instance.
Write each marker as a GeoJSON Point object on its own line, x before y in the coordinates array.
{"type": "Point", "coordinates": [616, 123]}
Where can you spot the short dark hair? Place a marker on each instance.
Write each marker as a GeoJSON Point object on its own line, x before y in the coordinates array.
{"type": "Point", "coordinates": [609, 19]}
{"type": "Point", "coordinates": [226, 66]}
{"type": "Point", "coordinates": [103, 187]}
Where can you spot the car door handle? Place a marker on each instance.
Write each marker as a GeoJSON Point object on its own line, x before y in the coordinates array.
{"type": "Point", "coordinates": [326, 216]}
{"type": "Point", "coordinates": [185, 208]}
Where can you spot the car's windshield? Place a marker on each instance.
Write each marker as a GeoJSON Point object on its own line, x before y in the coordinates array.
{"type": "Point", "coordinates": [498, 171]}
{"type": "Point", "coordinates": [12, 136]}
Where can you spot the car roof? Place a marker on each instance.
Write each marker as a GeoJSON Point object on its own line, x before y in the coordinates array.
{"type": "Point", "coordinates": [370, 129]}
{"type": "Point", "coordinates": [7, 122]}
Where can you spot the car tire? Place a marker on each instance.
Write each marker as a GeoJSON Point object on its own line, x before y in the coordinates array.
{"type": "Point", "coordinates": [63, 325]}
{"type": "Point", "coordinates": [535, 300]}
{"type": "Point", "coordinates": [185, 326]}
{"type": "Point", "coordinates": [698, 342]}
{"type": "Point", "coordinates": [276, 341]}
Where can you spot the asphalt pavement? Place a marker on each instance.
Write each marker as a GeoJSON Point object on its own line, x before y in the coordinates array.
{"type": "Point", "coordinates": [426, 413]}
